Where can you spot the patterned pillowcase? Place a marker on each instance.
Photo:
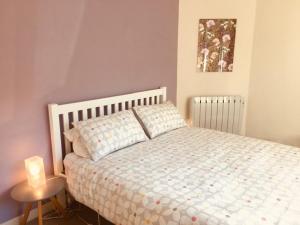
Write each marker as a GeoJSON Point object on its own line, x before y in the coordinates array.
{"type": "Point", "coordinates": [159, 119]}
{"type": "Point", "coordinates": [107, 134]}
{"type": "Point", "coordinates": [78, 144]}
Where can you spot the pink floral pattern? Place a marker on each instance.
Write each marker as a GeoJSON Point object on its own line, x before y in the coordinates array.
{"type": "Point", "coordinates": [216, 39]}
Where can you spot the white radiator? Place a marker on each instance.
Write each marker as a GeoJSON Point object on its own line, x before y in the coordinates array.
{"type": "Point", "coordinates": [223, 113]}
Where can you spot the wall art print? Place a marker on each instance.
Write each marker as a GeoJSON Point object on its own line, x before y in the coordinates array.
{"type": "Point", "coordinates": [216, 40]}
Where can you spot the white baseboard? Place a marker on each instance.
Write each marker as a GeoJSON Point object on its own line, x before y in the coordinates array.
{"type": "Point", "coordinates": [33, 214]}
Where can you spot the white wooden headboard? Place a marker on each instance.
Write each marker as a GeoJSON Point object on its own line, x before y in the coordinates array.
{"type": "Point", "coordinates": [62, 116]}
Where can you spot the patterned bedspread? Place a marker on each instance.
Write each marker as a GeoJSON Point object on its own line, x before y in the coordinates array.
{"type": "Point", "coordinates": [192, 176]}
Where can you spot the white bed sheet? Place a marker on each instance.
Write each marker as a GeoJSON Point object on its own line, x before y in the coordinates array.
{"type": "Point", "coordinates": [192, 176]}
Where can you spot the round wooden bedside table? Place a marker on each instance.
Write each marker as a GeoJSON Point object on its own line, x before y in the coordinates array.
{"type": "Point", "coordinates": [26, 194]}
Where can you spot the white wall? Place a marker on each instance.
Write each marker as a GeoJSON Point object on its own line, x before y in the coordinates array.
{"type": "Point", "coordinates": [192, 83]}
{"type": "Point", "coordinates": [274, 98]}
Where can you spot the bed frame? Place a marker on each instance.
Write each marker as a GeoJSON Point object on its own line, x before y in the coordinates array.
{"type": "Point", "coordinates": [62, 116]}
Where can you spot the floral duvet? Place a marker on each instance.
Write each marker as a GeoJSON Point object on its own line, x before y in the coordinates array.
{"type": "Point", "coordinates": [192, 176]}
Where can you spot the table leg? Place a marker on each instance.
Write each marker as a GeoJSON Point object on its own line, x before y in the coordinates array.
{"type": "Point", "coordinates": [40, 213]}
{"type": "Point", "coordinates": [26, 214]}
{"type": "Point", "coordinates": [58, 206]}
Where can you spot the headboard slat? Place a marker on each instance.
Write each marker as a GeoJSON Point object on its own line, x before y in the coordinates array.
{"type": "Point", "coordinates": [109, 111]}
{"type": "Point", "coordinates": [84, 114]}
{"type": "Point", "coordinates": [116, 109]}
{"type": "Point", "coordinates": [101, 111]}
{"type": "Point", "coordinates": [94, 113]}
{"type": "Point", "coordinates": [66, 127]}
{"type": "Point", "coordinates": [129, 104]}
{"type": "Point", "coordinates": [75, 116]}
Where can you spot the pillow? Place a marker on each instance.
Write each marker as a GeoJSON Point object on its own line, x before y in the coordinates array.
{"type": "Point", "coordinates": [79, 148]}
{"type": "Point", "coordinates": [158, 119]}
{"type": "Point", "coordinates": [107, 134]}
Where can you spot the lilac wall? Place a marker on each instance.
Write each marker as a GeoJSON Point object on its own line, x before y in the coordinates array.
{"type": "Point", "coordinates": [71, 50]}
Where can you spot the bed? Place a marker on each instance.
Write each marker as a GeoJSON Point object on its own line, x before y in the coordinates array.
{"type": "Point", "coordinates": [186, 176]}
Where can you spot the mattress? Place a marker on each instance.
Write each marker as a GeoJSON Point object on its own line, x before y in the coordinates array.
{"type": "Point", "coordinates": [192, 176]}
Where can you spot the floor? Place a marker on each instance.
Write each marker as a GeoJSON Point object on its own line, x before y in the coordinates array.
{"type": "Point", "coordinates": [84, 216]}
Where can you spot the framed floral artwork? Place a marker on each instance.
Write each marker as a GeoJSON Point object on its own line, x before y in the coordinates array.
{"type": "Point", "coordinates": [216, 39]}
